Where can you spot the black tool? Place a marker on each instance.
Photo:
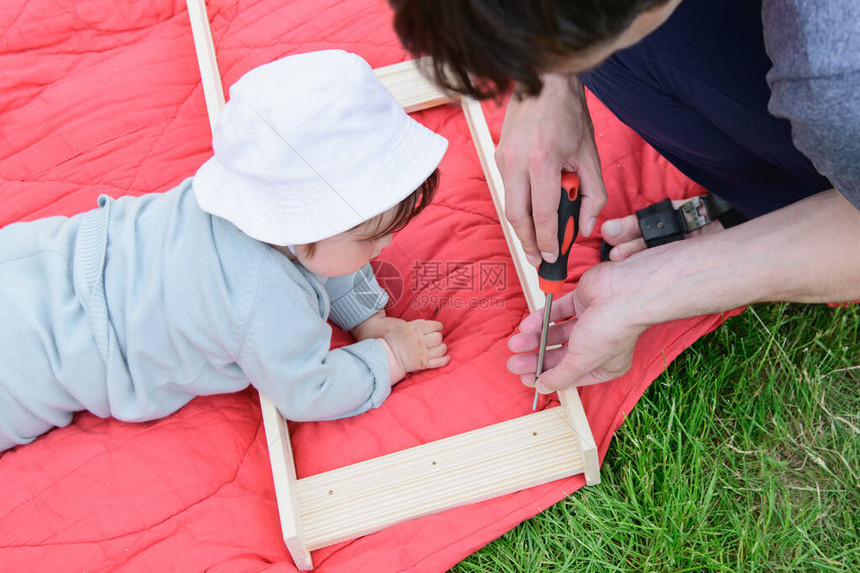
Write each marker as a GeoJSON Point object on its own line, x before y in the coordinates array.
{"type": "Point", "coordinates": [551, 276]}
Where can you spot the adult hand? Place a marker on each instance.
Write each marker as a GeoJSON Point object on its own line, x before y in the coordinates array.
{"type": "Point", "coordinates": [625, 236]}
{"type": "Point", "coordinates": [598, 337]}
{"type": "Point", "coordinates": [806, 252]}
{"type": "Point", "coordinates": [541, 137]}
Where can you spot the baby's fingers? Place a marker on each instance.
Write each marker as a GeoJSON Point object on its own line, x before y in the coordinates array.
{"type": "Point", "coordinates": [433, 339]}
{"type": "Point", "coordinates": [438, 362]}
{"type": "Point", "coordinates": [438, 350]}
{"type": "Point", "coordinates": [428, 326]}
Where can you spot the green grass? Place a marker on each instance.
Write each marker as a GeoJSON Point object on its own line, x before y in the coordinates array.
{"type": "Point", "coordinates": [742, 456]}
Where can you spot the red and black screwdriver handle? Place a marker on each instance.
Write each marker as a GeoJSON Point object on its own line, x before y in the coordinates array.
{"type": "Point", "coordinates": [551, 276]}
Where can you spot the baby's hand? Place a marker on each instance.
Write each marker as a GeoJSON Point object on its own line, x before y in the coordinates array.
{"type": "Point", "coordinates": [417, 345]}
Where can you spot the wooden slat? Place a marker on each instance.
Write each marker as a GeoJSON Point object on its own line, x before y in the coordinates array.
{"type": "Point", "coordinates": [277, 434]}
{"type": "Point", "coordinates": [528, 277]}
{"type": "Point", "coordinates": [410, 87]}
{"type": "Point", "coordinates": [284, 475]}
{"type": "Point", "coordinates": [480, 131]}
{"type": "Point", "coordinates": [213, 91]}
{"type": "Point", "coordinates": [575, 415]}
{"type": "Point", "coordinates": [362, 498]}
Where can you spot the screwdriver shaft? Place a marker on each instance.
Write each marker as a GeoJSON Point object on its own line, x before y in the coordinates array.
{"type": "Point", "coordinates": [542, 350]}
{"type": "Point", "coordinates": [551, 276]}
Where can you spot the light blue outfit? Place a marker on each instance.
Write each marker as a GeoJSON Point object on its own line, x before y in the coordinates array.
{"type": "Point", "coordinates": [133, 309]}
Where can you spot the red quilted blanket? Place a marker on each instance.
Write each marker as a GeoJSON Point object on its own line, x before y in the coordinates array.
{"type": "Point", "coordinates": [102, 96]}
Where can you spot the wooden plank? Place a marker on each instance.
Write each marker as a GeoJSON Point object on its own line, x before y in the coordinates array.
{"type": "Point", "coordinates": [527, 275]}
{"type": "Point", "coordinates": [365, 497]}
{"type": "Point", "coordinates": [284, 475]}
{"type": "Point", "coordinates": [277, 434]}
{"type": "Point", "coordinates": [480, 131]}
{"type": "Point", "coordinates": [575, 415]}
{"type": "Point", "coordinates": [410, 87]}
{"type": "Point", "coordinates": [213, 91]}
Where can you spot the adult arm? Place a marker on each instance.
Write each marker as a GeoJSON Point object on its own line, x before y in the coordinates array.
{"type": "Point", "coordinates": [806, 252]}
{"type": "Point", "coordinates": [542, 136]}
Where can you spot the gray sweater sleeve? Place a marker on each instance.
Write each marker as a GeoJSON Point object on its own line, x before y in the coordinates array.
{"type": "Point", "coordinates": [355, 298]}
{"type": "Point", "coordinates": [286, 355]}
{"type": "Point", "coordinates": [815, 82]}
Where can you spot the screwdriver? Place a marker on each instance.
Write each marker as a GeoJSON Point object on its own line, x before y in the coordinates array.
{"type": "Point", "coordinates": [551, 276]}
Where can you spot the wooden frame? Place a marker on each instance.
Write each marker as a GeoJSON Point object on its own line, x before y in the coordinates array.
{"type": "Point", "coordinates": [355, 500]}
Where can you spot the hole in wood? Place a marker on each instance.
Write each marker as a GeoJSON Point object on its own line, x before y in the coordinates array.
{"type": "Point", "coordinates": [331, 492]}
{"type": "Point", "coordinates": [534, 433]}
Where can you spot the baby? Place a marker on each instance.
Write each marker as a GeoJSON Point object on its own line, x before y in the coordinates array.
{"type": "Point", "coordinates": [134, 308]}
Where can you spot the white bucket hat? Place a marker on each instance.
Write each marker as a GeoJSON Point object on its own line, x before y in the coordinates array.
{"type": "Point", "coordinates": [312, 145]}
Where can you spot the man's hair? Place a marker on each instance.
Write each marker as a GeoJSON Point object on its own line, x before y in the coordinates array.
{"type": "Point", "coordinates": [376, 227]}
{"type": "Point", "coordinates": [481, 47]}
